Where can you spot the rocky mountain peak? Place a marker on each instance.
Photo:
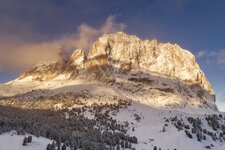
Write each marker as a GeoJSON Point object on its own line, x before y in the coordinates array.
{"type": "Point", "coordinates": [121, 52]}
{"type": "Point", "coordinates": [155, 73]}
{"type": "Point", "coordinates": [77, 59]}
{"type": "Point", "coordinates": [128, 52]}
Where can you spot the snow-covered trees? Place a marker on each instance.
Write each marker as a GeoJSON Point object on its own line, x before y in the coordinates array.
{"type": "Point", "coordinates": [27, 140]}
{"type": "Point", "coordinates": [188, 134]}
{"type": "Point", "coordinates": [194, 126]}
{"type": "Point", "coordinates": [77, 131]}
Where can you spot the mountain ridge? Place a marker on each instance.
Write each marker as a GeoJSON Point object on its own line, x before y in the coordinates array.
{"type": "Point", "coordinates": [121, 59]}
{"type": "Point", "coordinates": [123, 82]}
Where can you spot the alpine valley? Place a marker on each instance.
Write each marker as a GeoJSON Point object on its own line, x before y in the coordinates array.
{"type": "Point", "coordinates": [126, 93]}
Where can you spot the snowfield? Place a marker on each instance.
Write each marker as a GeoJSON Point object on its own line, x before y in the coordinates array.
{"type": "Point", "coordinates": [145, 104]}
{"type": "Point", "coordinates": [11, 141]}
{"type": "Point", "coordinates": [149, 129]}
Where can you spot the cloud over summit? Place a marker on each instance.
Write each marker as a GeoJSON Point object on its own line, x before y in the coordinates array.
{"type": "Point", "coordinates": [16, 54]}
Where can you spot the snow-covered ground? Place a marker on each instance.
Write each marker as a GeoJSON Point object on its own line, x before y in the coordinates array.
{"type": "Point", "coordinates": [149, 129]}
{"type": "Point", "coordinates": [149, 89]}
{"type": "Point", "coordinates": [11, 141]}
{"type": "Point", "coordinates": [149, 101]}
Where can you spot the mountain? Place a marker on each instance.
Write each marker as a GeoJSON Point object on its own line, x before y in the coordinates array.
{"type": "Point", "coordinates": [161, 74]}
{"type": "Point", "coordinates": [125, 90]}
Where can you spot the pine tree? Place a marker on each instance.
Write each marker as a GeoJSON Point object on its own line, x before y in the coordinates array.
{"type": "Point", "coordinates": [164, 129]}
{"type": "Point", "coordinates": [48, 147]}
{"type": "Point", "coordinates": [122, 144]}
{"type": "Point", "coordinates": [64, 147]}
{"type": "Point", "coordinates": [25, 141]}
{"type": "Point", "coordinates": [130, 146]}
{"type": "Point", "coordinates": [58, 147]}
{"type": "Point", "coordinates": [118, 147]}
{"type": "Point", "coordinates": [75, 147]}
{"type": "Point", "coordinates": [126, 144]}
{"type": "Point", "coordinates": [29, 140]}
{"type": "Point", "coordinates": [58, 142]}
{"type": "Point", "coordinates": [53, 145]}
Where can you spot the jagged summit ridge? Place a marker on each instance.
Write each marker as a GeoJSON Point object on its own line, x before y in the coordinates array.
{"type": "Point", "coordinates": [128, 52]}
{"type": "Point", "coordinates": [125, 53]}
{"type": "Point", "coordinates": [154, 73]}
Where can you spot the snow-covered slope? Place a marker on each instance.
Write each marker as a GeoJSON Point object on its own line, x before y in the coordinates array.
{"type": "Point", "coordinates": [151, 82]}
{"type": "Point", "coordinates": [152, 126]}
{"type": "Point", "coordinates": [11, 140]}
{"type": "Point", "coordinates": [150, 132]}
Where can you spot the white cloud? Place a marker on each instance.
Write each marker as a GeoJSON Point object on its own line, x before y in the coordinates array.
{"type": "Point", "coordinates": [86, 34]}
{"type": "Point", "coordinates": [212, 54]}
{"type": "Point", "coordinates": [20, 55]}
{"type": "Point", "coordinates": [223, 97]}
{"type": "Point", "coordinates": [213, 58]}
{"type": "Point", "coordinates": [201, 54]}
{"type": "Point", "coordinates": [217, 58]}
{"type": "Point", "coordinates": [221, 57]}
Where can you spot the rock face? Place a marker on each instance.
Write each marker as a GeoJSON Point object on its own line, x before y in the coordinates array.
{"type": "Point", "coordinates": [65, 65]}
{"type": "Point", "coordinates": [156, 72]}
{"type": "Point", "coordinates": [126, 53]}
{"type": "Point", "coordinates": [77, 60]}
{"type": "Point", "coordinates": [43, 71]}
{"type": "Point", "coordinates": [75, 63]}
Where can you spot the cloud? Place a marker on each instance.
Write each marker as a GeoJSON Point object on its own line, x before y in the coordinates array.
{"type": "Point", "coordinates": [223, 98]}
{"type": "Point", "coordinates": [221, 57]}
{"type": "Point", "coordinates": [15, 54]}
{"type": "Point", "coordinates": [87, 35]}
{"type": "Point", "coordinates": [26, 55]}
{"type": "Point", "coordinates": [218, 58]}
{"type": "Point", "coordinates": [201, 54]}
{"type": "Point", "coordinates": [213, 58]}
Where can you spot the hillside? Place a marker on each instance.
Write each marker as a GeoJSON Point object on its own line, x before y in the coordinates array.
{"type": "Point", "coordinates": [125, 91]}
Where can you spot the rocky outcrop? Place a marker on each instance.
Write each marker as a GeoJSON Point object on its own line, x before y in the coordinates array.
{"type": "Point", "coordinates": [77, 60]}
{"type": "Point", "coordinates": [124, 53]}
{"type": "Point", "coordinates": [75, 63]}
{"type": "Point", "coordinates": [64, 65]}
{"type": "Point", "coordinates": [43, 71]}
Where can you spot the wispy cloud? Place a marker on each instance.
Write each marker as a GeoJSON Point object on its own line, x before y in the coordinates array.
{"type": "Point", "coordinates": [221, 57]}
{"type": "Point", "coordinates": [223, 98]}
{"type": "Point", "coordinates": [86, 34]}
{"type": "Point", "coordinates": [201, 54]}
{"type": "Point", "coordinates": [212, 58]}
{"type": "Point", "coordinates": [17, 54]}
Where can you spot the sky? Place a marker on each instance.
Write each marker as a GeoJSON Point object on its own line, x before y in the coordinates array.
{"type": "Point", "coordinates": [35, 31]}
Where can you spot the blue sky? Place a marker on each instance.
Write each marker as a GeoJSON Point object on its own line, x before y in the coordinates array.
{"type": "Point", "coordinates": [31, 30]}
